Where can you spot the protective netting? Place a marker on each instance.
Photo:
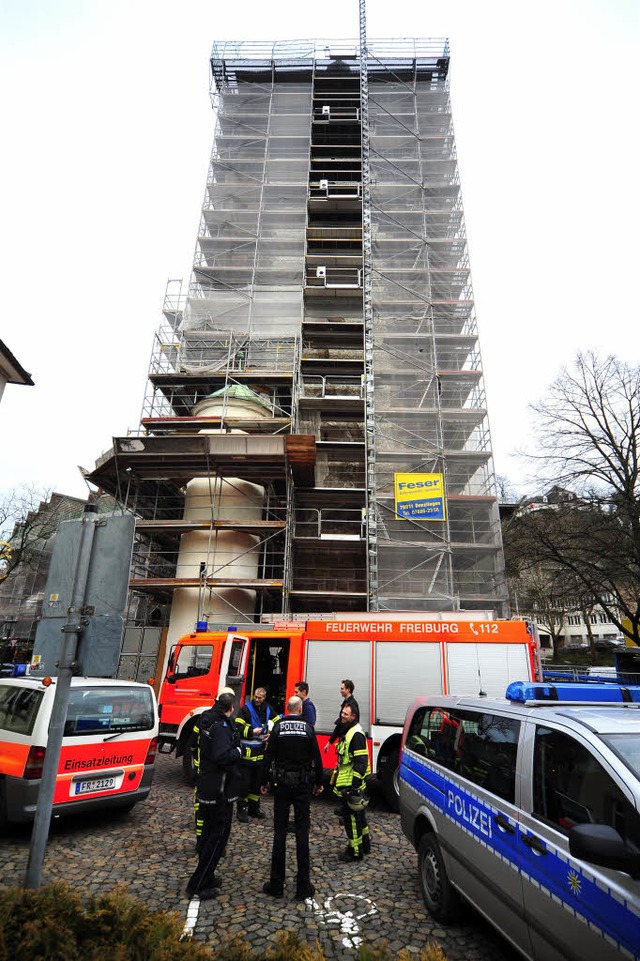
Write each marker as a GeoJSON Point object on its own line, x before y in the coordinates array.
{"type": "Point", "coordinates": [429, 393]}
{"type": "Point", "coordinates": [277, 287]}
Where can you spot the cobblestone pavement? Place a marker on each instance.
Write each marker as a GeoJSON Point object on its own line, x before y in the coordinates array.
{"type": "Point", "coordinates": [152, 851]}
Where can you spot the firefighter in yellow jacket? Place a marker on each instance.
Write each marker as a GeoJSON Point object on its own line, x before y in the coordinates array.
{"type": "Point", "coordinates": [350, 784]}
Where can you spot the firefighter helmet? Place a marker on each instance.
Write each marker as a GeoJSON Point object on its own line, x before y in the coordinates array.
{"type": "Point", "coordinates": [357, 801]}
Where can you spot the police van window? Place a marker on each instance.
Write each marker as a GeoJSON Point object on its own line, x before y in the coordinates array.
{"type": "Point", "coordinates": [479, 746]}
{"type": "Point", "coordinates": [570, 787]}
{"type": "Point", "coordinates": [486, 751]}
{"type": "Point", "coordinates": [627, 747]}
{"type": "Point", "coordinates": [19, 708]}
{"type": "Point", "coordinates": [432, 734]}
{"type": "Point", "coordinates": [110, 710]}
{"type": "Point", "coordinates": [194, 660]}
{"type": "Point", "coordinates": [417, 734]}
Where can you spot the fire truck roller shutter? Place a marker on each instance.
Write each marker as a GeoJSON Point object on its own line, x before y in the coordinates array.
{"type": "Point", "coordinates": [404, 670]}
{"type": "Point", "coordinates": [472, 668]}
{"type": "Point", "coordinates": [328, 662]}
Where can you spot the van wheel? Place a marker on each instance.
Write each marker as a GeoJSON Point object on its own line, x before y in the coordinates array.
{"type": "Point", "coordinates": [443, 903]}
{"type": "Point", "coordinates": [4, 822]}
{"type": "Point", "coordinates": [390, 788]}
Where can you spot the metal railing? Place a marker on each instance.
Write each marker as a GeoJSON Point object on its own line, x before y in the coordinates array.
{"type": "Point", "coordinates": [348, 523]}
{"type": "Point", "coordinates": [318, 385]}
{"type": "Point", "coordinates": [334, 277]}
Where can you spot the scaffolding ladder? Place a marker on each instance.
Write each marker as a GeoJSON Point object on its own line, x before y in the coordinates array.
{"type": "Point", "coordinates": [367, 306]}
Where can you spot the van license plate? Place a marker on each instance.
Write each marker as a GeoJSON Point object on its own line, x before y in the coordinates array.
{"type": "Point", "coordinates": [97, 784]}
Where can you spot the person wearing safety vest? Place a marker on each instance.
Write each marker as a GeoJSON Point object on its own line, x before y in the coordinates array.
{"type": "Point", "coordinates": [350, 783]}
{"type": "Point", "coordinates": [254, 721]}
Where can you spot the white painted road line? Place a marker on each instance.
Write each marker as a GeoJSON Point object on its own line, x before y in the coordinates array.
{"type": "Point", "coordinates": [192, 917]}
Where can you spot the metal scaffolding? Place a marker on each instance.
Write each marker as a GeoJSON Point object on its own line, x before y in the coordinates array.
{"type": "Point", "coordinates": [330, 280]}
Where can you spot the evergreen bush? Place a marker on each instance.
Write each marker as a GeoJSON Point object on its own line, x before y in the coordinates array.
{"type": "Point", "coordinates": [55, 923]}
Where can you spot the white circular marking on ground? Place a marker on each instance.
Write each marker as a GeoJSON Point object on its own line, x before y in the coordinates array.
{"type": "Point", "coordinates": [345, 911]}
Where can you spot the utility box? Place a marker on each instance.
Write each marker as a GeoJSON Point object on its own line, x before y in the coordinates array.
{"type": "Point", "coordinates": [105, 596]}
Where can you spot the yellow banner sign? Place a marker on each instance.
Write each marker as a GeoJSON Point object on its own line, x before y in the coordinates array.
{"type": "Point", "coordinates": [420, 497]}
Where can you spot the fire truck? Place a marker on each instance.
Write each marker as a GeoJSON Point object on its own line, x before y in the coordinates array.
{"type": "Point", "coordinates": [390, 657]}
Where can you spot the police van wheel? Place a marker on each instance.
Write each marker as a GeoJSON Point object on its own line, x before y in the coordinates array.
{"type": "Point", "coordinates": [4, 821]}
{"type": "Point", "coordinates": [441, 900]}
{"type": "Point", "coordinates": [390, 773]}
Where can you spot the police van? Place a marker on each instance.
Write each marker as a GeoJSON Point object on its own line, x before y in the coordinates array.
{"type": "Point", "coordinates": [108, 748]}
{"type": "Point", "coordinates": [528, 808]}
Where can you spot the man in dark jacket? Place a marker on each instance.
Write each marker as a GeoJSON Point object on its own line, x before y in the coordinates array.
{"type": "Point", "coordinates": [293, 764]}
{"type": "Point", "coordinates": [347, 688]}
{"type": "Point", "coordinates": [218, 753]}
{"type": "Point", "coordinates": [301, 690]}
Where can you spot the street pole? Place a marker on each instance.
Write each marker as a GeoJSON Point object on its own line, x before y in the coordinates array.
{"type": "Point", "coordinates": [71, 632]}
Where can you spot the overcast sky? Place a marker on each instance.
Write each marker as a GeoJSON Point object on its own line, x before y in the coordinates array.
{"type": "Point", "coordinates": [107, 128]}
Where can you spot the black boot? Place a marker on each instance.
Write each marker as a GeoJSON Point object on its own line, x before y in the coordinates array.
{"type": "Point", "coordinates": [242, 813]}
{"type": "Point", "coordinates": [255, 812]}
{"type": "Point", "coordinates": [306, 892]}
{"type": "Point", "coordinates": [349, 854]}
{"type": "Point", "coordinates": [269, 888]}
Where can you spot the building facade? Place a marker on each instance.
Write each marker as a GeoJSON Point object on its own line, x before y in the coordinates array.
{"type": "Point", "coordinates": [314, 435]}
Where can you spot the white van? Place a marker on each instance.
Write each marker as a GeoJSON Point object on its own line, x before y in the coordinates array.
{"type": "Point", "coordinates": [528, 808]}
{"type": "Point", "coordinates": [108, 748]}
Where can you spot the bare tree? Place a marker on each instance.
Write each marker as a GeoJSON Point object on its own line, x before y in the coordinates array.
{"type": "Point", "coordinates": [538, 588]}
{"type": "Point", "coordinates": [24, 527]}
{"type": "Point", "coordinates": [506, 491]}
{"type": "Point", "coordinates": [589, 446]}
{"type": "Point", "coordinates": [542, 600]}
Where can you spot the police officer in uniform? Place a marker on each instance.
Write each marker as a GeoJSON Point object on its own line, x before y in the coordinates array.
{"type": "Point", "coordinates": [293, 765]}
{"type": "Point", "coordinates": [350, 782]}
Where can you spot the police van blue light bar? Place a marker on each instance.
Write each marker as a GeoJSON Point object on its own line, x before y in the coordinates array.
{"type": "Point", "coordinates": [522, 691]}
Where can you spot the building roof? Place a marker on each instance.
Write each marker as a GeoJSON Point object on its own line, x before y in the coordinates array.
{"type": "Point", "coordinates": [10, 370]}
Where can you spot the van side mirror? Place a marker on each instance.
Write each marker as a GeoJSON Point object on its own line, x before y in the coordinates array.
{"type": "Point", "coordinates": [601, 844]}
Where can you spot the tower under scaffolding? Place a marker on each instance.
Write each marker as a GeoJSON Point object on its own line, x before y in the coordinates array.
{"type": "Point", "coordinates": [326, 343]}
